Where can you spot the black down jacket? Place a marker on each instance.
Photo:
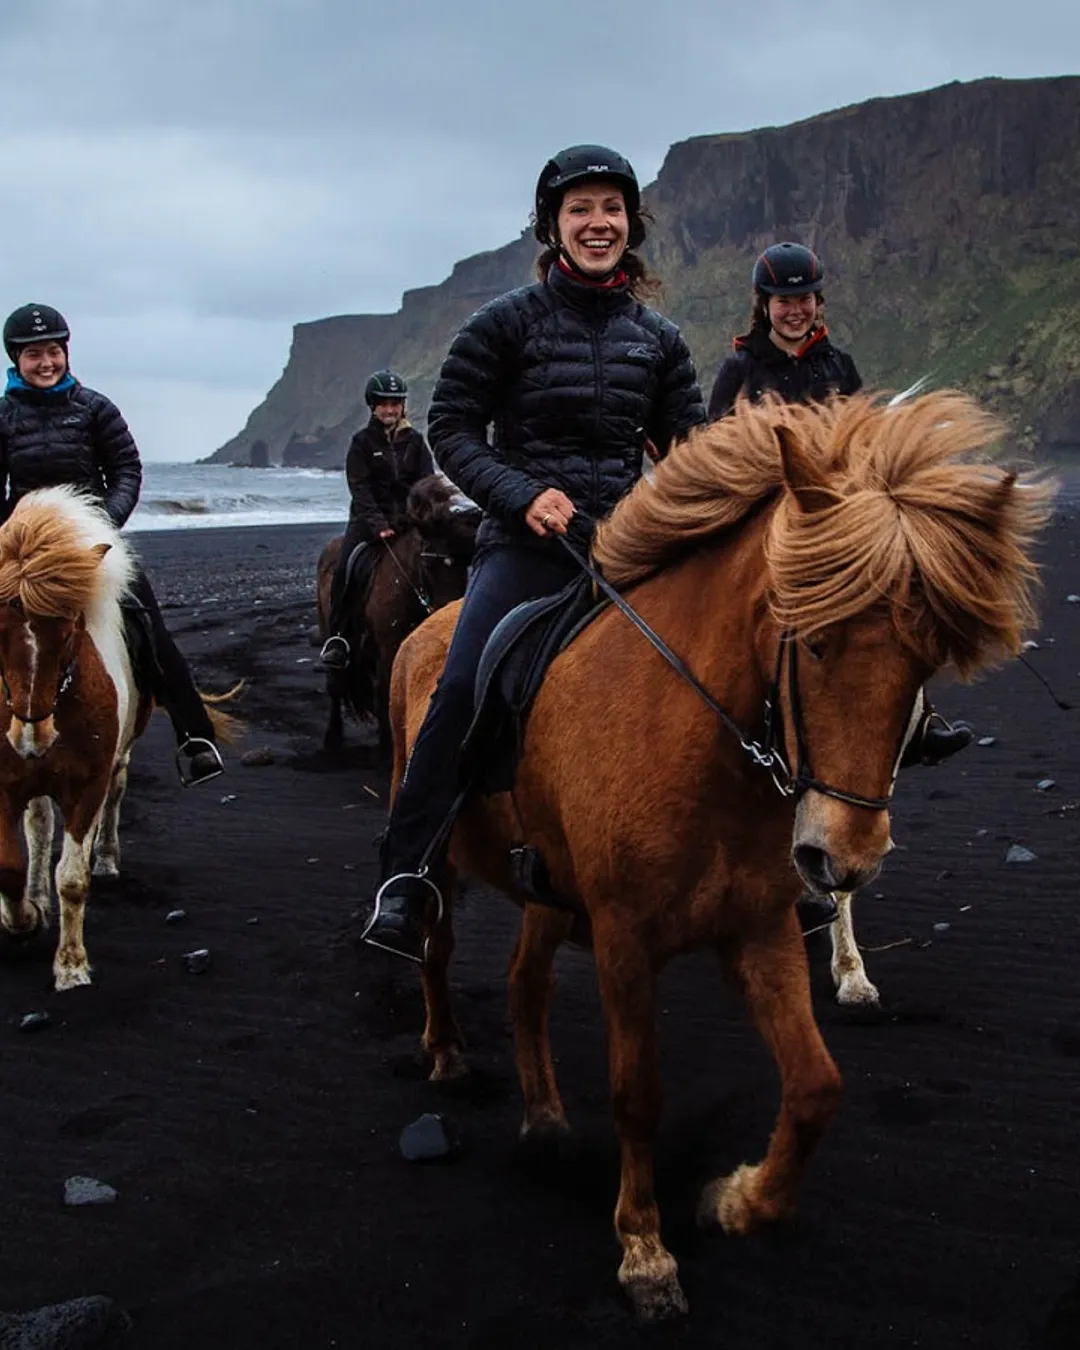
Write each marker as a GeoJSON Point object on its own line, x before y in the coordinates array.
{"type": "Point", "coordinates": [759, 366]}
{"type": "Point", "coordinates": [573, 379]}
{"type": "Point", "coordinates": [76, 437]}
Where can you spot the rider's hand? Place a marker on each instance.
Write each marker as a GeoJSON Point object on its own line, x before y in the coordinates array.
{"type": "Point", "coordinates": [550, 513]}
{"type": "Point", "coordinates": [386, 534]}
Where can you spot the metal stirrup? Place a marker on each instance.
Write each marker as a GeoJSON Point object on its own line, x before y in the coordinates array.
{"type": "Point", "coordinates": [195, 745]}
{"type": "Point", "coordinates": [365, 936]}
{"type": "Point", "coordinates": [335, 637]}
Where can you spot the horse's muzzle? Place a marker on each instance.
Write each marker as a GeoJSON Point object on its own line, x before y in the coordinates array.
{"type": "Point", "coordinates": [31, 740]}
{"type": "Point", "coordinates": [837, 847]}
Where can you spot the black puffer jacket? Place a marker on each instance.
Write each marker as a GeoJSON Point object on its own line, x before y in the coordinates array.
{"type": "Point", "coordinates": [759, 366]}
{"type": "Point", "coordinates": [76, 437]}
{"type": "Point", "coordinates": [574, 379]}
{"type": "Point", "coordinates": [380, 472]}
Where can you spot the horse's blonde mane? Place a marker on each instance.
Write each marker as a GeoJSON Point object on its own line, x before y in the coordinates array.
{"type": "Point", "coordinates": [51, 557]}
{"type": "Point", "coordinates": [894, 505]}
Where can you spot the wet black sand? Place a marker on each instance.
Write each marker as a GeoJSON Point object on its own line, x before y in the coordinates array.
{"type": "Point", "coordinates": [248, 1116]}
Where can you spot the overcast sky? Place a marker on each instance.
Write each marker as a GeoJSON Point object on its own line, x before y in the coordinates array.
{"type": "Point", "coordinates": [185, 181]}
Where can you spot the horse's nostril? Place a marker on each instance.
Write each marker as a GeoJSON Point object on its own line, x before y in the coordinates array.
{"type": "Point", "coordinates": [815, 866]}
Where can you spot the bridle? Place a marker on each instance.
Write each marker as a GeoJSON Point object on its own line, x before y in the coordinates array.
{"type": "Point", "coordinates": [67, 674]}
{"type": "Point", "coordinates": [766, 752]}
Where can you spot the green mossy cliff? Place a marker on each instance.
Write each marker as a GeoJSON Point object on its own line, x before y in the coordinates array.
{"type": "Point", "coordinates": [949, 222]}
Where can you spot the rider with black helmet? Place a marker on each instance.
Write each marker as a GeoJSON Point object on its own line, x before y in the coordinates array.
{"type": "Point", "coordinates": [53, 431]}
{"type": "Point", "coordinates": [385, 459]}
{"type": "Point", "coordinates": [577, 377]}
{"type": "Point", "coordinates": [787, 350]}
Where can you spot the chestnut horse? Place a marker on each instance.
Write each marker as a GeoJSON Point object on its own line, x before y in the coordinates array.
{"type": "Point", "coordinates": [423, 568]}
{"type": "Point", "coordinates": [815, 566]}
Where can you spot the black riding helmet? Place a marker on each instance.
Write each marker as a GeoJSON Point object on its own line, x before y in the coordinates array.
{"type": "Point", "coordinates": [384, 384]}
{"type": "Point", "coordinates": [33, 323]}
{"type": "Point", "coordinates": [578, 164]}
{"type": "Point", "coordinates": [788, 269]}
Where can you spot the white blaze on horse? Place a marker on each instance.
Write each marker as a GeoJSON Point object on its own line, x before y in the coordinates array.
{"type": "Point", "coordinates": [70, 711]}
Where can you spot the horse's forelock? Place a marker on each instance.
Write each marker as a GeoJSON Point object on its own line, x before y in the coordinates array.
{"type": "Point", "coordinates": [47, 560]}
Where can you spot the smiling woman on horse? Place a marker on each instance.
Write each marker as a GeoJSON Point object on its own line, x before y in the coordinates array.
{"type": "Point", "coordinates": [55, 432]}
{"type": "Point", "coordinates": [578, 376]}
{"type": "Point", "coordinates": [386, 459]}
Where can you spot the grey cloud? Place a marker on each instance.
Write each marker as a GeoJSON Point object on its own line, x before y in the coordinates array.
{"type": "Point", "coordinates": [204, 175]}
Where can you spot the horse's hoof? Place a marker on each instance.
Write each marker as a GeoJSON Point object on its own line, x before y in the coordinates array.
{"type": "Point", "coordinates": [853, 993]}
{"type": "Point", "coordinates": [546, 1134]}
{"type": "Point", "coordinates": [32, 919]}
{"type": "Point", "coordinates": [448, 1065]}
{"type": "Point", "coordinates": [650, 1279]}
{"type": "Point", "coordinates": [71, 977]}
{"type": "Point", "coordinates": [734, 1203]}
{"type": "Point", "coordinates": [106, 867]}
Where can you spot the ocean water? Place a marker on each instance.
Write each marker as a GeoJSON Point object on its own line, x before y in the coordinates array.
{"type": "Point", "coordinates": [204, 496]}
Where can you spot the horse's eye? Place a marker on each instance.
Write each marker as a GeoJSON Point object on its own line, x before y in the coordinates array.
{"type": "Point", "coordinates": [16, 604]}
{"type": "Point", "coordinates": [816, 647]}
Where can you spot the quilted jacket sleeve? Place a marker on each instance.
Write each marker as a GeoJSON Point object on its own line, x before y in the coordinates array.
{"type": "Point", "coordinates": [679, 407]}
{"type": "Point", "coordinates": [118, 459]}
{"type": "Point", "coordinates": [477, 369]}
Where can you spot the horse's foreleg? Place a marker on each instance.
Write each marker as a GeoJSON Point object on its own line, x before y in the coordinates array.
{"type": "Point", "coordinates": [71, 967]}
{"type": "Point", "coordinates": [775, 980]}
{"type": "Point", "coordinates": [853, 988]}
{"type": "Point", "coordinates": [442, 1038]}
{"type": "Point", "coordinates": [38, 824]}
{"type": "Point", "coordinates": [17, 915]}
{"type": "Point", "coordinates": [532, 982]}
{"type": "Point", "coordinates": [107, 843]}
{"type": "Point", "coordinates": [334, 735]}
{"type": "Point", "coordinates": [649, 1273]}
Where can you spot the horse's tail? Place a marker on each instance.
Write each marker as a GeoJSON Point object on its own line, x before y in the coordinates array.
{"type": "Point", "coordinates": [228, 728]}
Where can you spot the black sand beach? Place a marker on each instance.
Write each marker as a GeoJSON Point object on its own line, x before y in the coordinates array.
{"type": "Point", "coordinates": [248, 1116]}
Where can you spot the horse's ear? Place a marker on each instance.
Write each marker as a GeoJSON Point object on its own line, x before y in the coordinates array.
{"type": "Point", "coordinates": [810, 494]}
{"type": "Point", "coordinates": [99, 550]}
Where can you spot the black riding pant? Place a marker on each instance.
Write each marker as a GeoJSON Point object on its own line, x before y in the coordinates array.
{"type": "Point", "coordinates": [174, 689]}
{"type": "Point", "coordinates": [503, 576]}
{"type": "Point", "coordinates": [355, 533]}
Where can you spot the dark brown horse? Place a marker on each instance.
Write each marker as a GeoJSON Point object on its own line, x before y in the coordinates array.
{"type": "Point", "coordinates": [824, 561]}
{"type": "Point", "coordinates": [417, 572]}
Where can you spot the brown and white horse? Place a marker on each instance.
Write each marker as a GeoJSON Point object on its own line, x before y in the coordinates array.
{"type": "Point", "coordinates": [70, 711]}
{"type": "Point", "coordinates": [814, 566]}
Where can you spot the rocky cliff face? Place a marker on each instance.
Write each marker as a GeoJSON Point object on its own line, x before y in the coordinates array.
{"type": "Point", "coordinates": [949, 222]}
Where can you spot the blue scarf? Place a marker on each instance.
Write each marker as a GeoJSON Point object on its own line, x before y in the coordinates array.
{"type": "Point", "coordinates": [16, 381]}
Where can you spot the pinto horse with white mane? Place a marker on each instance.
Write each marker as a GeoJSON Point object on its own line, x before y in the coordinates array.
{"type": "Point", "coordinates": [814, 567]}
{"type": "Point", "coordinates": [70, 711]}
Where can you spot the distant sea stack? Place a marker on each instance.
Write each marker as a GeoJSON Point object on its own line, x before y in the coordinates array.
{"type": "Point", "coordinates": [949, 223]}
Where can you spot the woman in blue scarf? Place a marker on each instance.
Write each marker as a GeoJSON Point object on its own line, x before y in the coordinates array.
{"type": "Point", "coordinates": [54, 431]}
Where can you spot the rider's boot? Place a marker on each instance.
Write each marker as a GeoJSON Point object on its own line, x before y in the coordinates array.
{"type": "Point", "coordinates": [204, 761]}
{"type": "Point", "coordinates": [335, 653]}
{"type": "Point", "coordinates": [935, 739]}
{"type": "Point", "coordinates": [407, 906]}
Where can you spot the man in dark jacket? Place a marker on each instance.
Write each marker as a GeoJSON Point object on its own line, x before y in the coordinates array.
{"type": "Point", "coordinates": [386, 458]}
{"type": "Point", "coordinates": [54, 431]}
